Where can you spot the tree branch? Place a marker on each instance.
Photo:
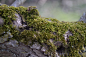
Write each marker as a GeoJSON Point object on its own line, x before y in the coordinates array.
{"type": "Point", "coordinates": [17, 3]}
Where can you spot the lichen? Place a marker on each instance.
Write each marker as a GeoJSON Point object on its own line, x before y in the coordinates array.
{"type": "Point", "coordinates": [42, 29]}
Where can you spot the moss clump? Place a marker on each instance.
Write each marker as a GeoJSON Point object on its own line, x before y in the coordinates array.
{"type": "Point", "coordinates": [41, 29]}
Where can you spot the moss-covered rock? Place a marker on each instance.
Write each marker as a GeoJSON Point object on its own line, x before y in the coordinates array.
{"type": "Point", "coordinates": [41, 30]}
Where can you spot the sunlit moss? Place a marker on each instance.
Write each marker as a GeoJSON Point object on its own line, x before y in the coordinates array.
{"type": "Point", "coordinates": [42, 29]}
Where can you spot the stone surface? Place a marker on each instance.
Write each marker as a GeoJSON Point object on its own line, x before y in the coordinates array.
{"type": "Point", "coordinates": [36, 46]}
{"type": "Point", "coordinates": [83, 18]}
{"type": "Point", "coordinates": [66, 35]}
{"type": "Point", "coordinates": [13, 49]}
{"type": "Point", "coordinates": [5, 37]}
{"type": "Point", "coordinates": [1, 21]}
{"type": "Point", "coordinates": [17, 22]}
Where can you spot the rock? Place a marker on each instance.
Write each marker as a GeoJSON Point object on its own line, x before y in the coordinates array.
{"type": "Point", "coordinates": [13, 49]}
{"type": "Point", "coordinates": [43, 49]}
{"type": "Point", "coordinates": [5, 37]}
{"type": "Point", "coordinates": [6, 53]}
{"type": "Point", "coordinates": [1, 21]}
{"type": "Point", "coordinates": [12, 43]}
{"type": "Point", "coordinates": [39, 54]}
{"type": "Point", "coordinates": [83, 18]}
{"type": "Point", "coordinates": [17, 22]}
{"type": "Point", "coordinates": [36, 46]}
{"type": "Point", "coordinates": [66, 36]}
{"type": "Point", "coordinates": [2, 40]}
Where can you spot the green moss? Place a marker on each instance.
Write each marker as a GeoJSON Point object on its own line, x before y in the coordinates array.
{"type": "Point", "coordinates": [42, 29]}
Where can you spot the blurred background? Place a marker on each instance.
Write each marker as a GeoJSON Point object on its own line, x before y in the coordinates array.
{"type": "Point", "coordinates": [63, 10]}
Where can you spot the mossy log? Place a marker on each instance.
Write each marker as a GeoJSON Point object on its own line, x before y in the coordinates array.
{"type": "Point", "coordinates": [22, 29]}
